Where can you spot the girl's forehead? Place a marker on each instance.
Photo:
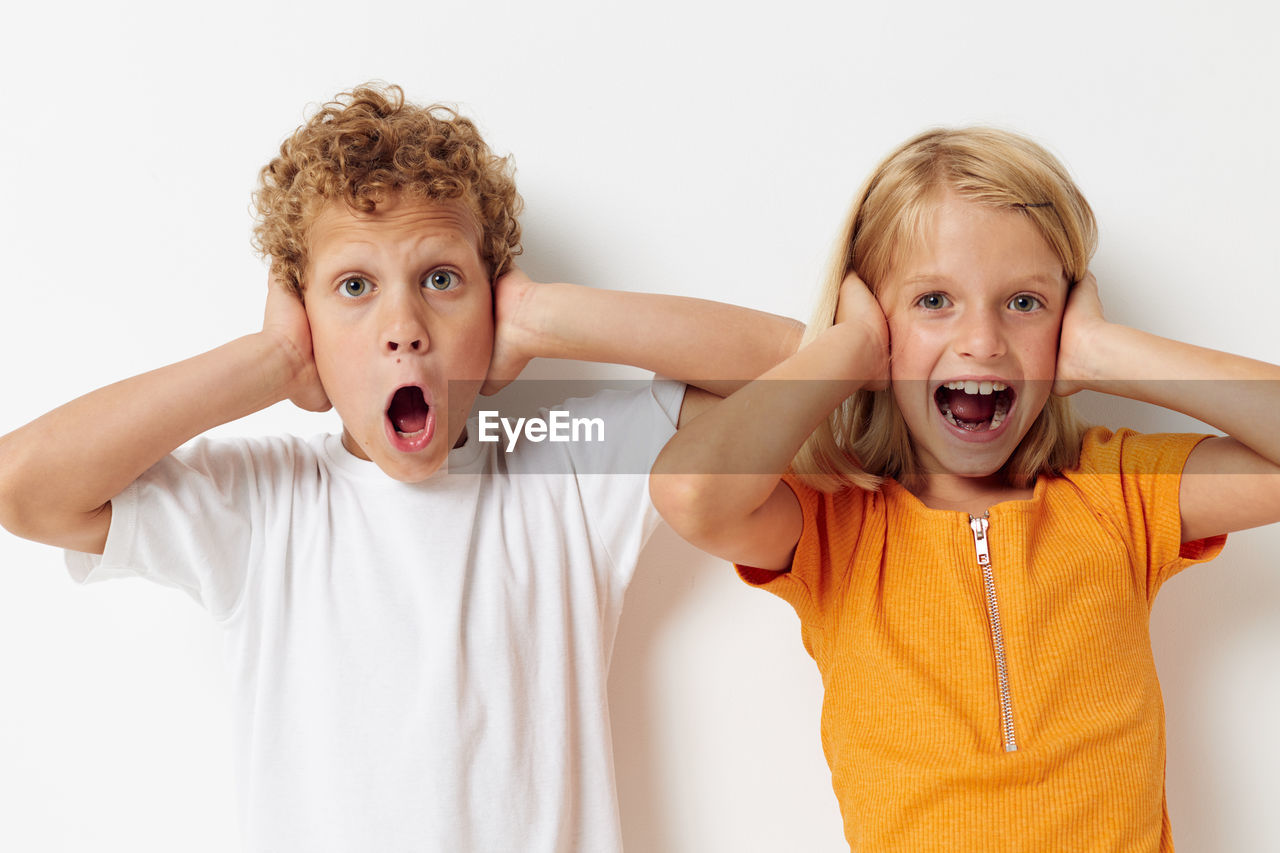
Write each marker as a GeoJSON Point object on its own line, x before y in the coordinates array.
{"type": "Point", "coordinates": [959, 241]}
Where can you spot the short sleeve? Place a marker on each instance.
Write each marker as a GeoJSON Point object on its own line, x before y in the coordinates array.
{"type": "Point", "coordinates": [832, 525]}
{"type": "Point", "coordinates": [1137, 478]}
{"type": "Point", "coordinates": [187, 522]}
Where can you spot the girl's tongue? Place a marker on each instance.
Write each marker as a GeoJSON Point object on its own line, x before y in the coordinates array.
{"type": "Point", "coordinates": [974, 412]}
{"type": "Point", "coordinates": [972, 407]}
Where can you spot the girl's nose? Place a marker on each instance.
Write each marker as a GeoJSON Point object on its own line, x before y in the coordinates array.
{"type": "Point", "coordinates": [980, 337]}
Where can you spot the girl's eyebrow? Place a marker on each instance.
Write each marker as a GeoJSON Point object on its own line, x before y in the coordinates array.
{"type": "Point", "coordinates": [927, 278]}
{"type": "Point", "coordinates": [932, 279]}
{"type": "Point", "coordinates": [1039, 278]}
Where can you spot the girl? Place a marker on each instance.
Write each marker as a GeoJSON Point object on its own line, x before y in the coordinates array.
{"type": "Point", "coordinates": [973, 570]}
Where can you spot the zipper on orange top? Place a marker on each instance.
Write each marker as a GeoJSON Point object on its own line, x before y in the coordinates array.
{"type": "Point", "coordinates": [979, 527]}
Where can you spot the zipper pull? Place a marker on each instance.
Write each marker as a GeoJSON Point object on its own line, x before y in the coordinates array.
{"type": "Point", "coordinates": [979, 527]}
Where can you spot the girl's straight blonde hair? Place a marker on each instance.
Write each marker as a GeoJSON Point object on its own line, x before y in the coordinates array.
{"type": "Point", "coordinates": [865, 440]}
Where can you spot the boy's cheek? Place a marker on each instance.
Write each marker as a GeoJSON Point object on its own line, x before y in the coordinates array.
{"type": "Point", "coordinates": [327, 369]}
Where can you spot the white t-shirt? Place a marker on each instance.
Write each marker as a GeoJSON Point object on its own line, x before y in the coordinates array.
{"type": "Point", "coordinates": [416, 667]}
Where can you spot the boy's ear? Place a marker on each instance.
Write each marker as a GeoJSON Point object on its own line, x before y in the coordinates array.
{"type": "Point", "coordinates": [277, 279]}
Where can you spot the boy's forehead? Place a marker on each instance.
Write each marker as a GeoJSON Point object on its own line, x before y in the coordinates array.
{"type": "Point", "coordinates": [395, 220]}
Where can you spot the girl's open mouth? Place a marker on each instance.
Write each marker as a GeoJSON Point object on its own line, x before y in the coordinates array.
{"type": "Point", "coordinates": [974, 406]}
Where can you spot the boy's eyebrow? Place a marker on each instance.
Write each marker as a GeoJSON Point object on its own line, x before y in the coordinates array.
{"type": "Point", "coordinates": [436, 249]}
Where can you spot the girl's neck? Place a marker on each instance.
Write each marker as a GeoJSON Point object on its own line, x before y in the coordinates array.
{"type": "Point", "coordinates": [974, 495]}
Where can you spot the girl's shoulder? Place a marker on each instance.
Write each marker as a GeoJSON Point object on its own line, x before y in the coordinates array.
{"type": "Point", "coordinates": [1127, 452]}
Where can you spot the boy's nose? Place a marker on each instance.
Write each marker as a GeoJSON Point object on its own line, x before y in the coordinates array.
{"type": "Point", "coordinates": [413, 345]}
{"type": "Point", "coordinates": [404, 329]}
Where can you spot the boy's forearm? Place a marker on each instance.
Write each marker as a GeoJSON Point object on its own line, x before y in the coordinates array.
{"type": "Point", "coordinates": [63, 468]}
{"type": "Point", "coordinates": [1238, 395]}
{"type": "Point", "coordinates": [715, 346]}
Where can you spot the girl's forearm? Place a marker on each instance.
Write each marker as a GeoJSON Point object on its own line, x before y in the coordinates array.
{"type": "Point", "coordinates": [725, 464]}
{"type": "Point", "coordinates": [1237, 395]}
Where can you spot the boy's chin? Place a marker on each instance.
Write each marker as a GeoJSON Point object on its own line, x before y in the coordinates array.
{"type": "Point", "coordinates": [410, 472]}
{"type": "Point", "coordinates": [402, 467]}
{"type": "Point", "coordinates": [414, 468]}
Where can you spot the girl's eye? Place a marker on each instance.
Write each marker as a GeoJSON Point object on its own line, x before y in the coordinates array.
{"type": "Point", "coordinates": [933, 301]}
{"type": "Point", "coordinates": [1025, 303]}
{"type": "Point", "coordinates": [354, 287]}
{"type": "Point", "coordinates": [442, 280]}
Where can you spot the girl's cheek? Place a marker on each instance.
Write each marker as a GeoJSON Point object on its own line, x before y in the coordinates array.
{"type": "Point", "coordinates": [1045, 359]}
{"type": "Point", "coordinates": [907, 341]}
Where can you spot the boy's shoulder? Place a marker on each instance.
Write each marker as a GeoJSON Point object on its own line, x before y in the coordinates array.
{"type": "Point", "coordinates": [265, 454]}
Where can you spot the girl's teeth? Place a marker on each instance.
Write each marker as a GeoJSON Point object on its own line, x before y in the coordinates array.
{"type": "Point", "coordinates": [973, 386]}
{"type": "Point", "coordinates": [1001, 411]}
{"type": "Point", "coordinates": [998, 415]}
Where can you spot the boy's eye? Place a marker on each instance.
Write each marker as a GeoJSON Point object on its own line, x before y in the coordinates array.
{"type": "Point", "coordinates": [1025, 303]}
{"type": "Point", "coordinates": [933, 301]}
{"type": "Point", "coordinates": [442, 280]}
{"type": "Point", "coordinates": [354, 287]}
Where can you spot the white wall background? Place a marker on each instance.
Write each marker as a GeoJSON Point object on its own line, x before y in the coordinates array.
{"type": "Point", "coordinates": [703, 149]}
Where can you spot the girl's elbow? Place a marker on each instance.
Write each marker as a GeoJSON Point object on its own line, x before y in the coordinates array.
{"type": "Point", "coordinates": [684, 501]}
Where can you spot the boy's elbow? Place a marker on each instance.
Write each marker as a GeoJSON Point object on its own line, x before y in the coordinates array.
{"type": "Point", "coordinates": [18, 515]}
{"type": "Point", "coordinates": [10, 491]}
{"type": "Point", "coordinates": [24, 514]}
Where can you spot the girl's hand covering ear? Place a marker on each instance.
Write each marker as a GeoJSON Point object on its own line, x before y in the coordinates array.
{"type": "Point", "coordinates": [286, 322]}
{"type": "Point", "coordinates": [858, 305]}
{"type": "Point", "coordinates": [1081, 320]}
{"type": "Point", "coordinates": [509, 353]}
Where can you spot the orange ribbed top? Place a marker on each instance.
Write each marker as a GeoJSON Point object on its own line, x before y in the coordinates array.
{"type": "Point", "coordinates": [918, 715]}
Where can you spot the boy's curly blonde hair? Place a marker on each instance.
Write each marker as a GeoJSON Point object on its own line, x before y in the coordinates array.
{"type": "Point", "coordinates": [366, 144]}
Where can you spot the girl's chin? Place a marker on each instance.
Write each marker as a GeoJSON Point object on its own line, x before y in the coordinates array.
{"type": "Point", "coordinates": [968, 468]}
{"type": "Point", "coordinates": [965, 456]}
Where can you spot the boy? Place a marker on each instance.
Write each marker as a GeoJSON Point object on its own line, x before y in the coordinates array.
{"type": "Point", "coordinates": [419, 647]}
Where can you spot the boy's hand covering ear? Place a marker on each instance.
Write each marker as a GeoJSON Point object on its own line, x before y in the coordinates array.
{"type": "Point", "coordinates": [286, 322]}
{"type": "Point", "coordinates": [1081, 319]}
{"type": "Point", "coordinates": [510, 338]}
{"type": "Point", "coordinates": [858, 305]}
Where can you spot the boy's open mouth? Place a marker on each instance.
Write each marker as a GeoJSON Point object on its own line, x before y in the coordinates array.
{"type": "Point", "coordinates": [974, 405]}
{"type": "Point", "coordinates": [408, 411]}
